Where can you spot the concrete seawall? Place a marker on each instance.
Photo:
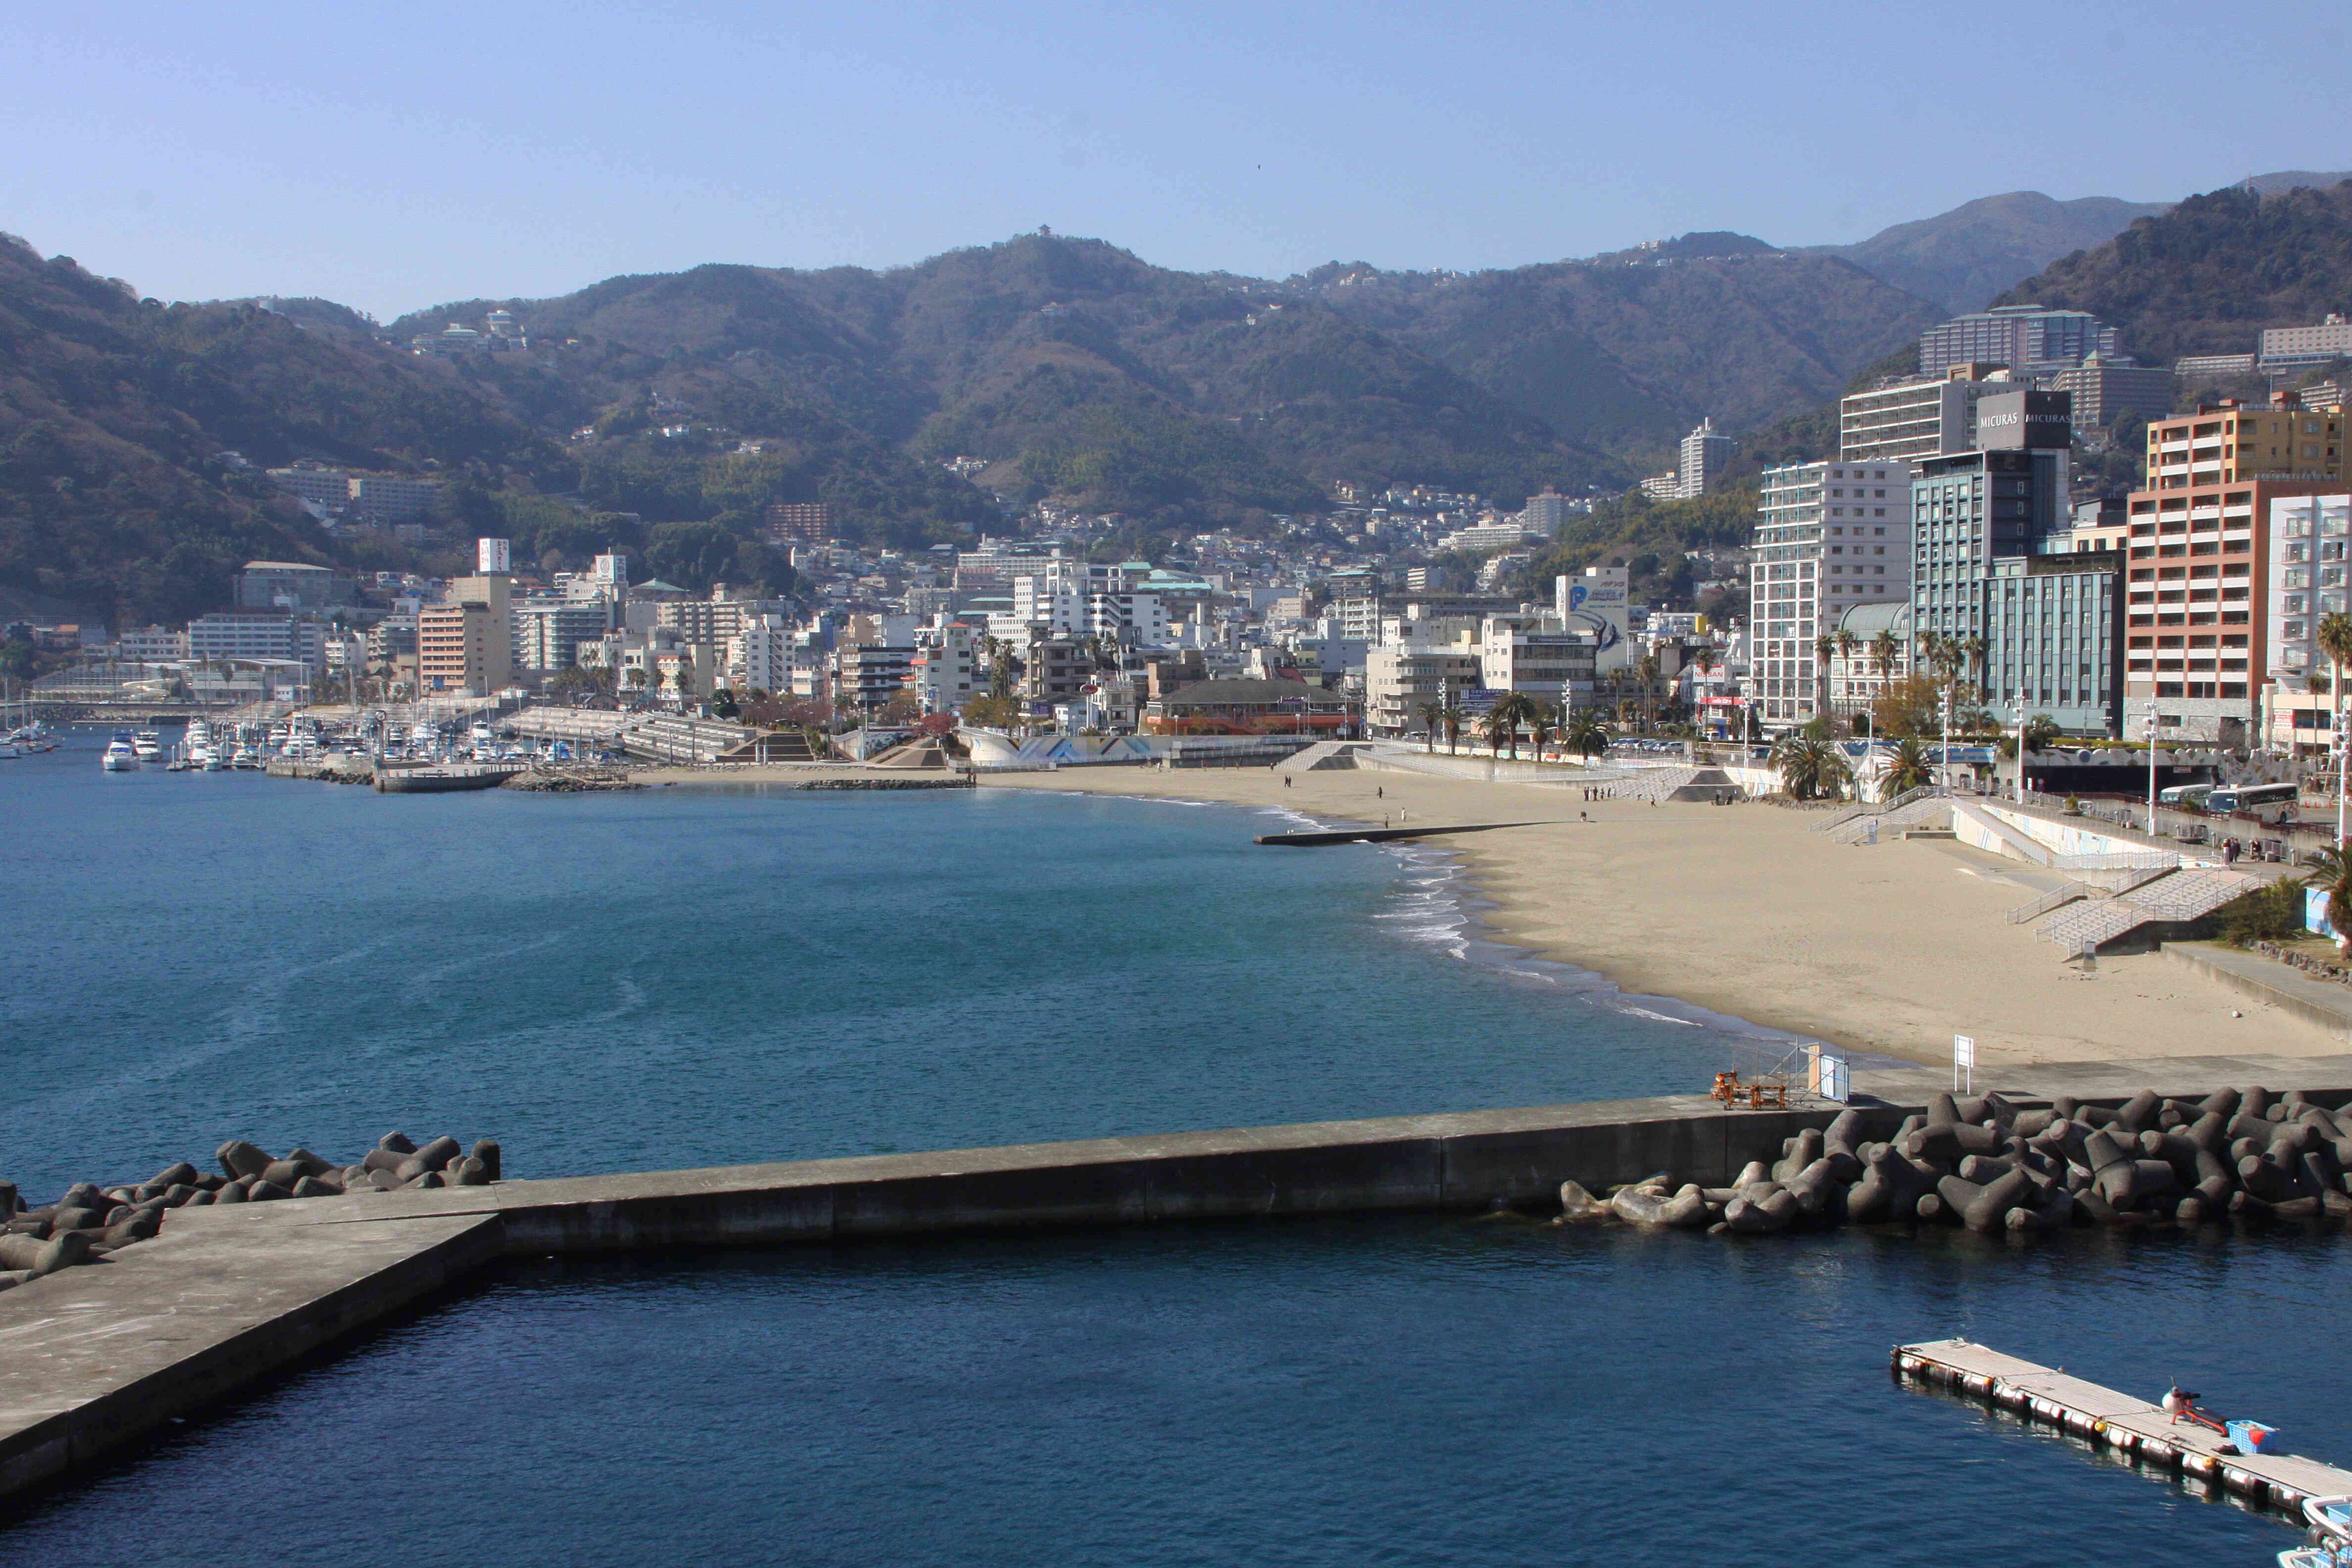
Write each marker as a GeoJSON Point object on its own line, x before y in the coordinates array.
{"type": "Point", "coordinates": [93, 1359]}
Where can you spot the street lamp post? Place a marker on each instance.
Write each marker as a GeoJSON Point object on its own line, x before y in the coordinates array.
{"type": "Point", "coordinates": [1944, 757]}
{"type": "Point", "coordinates": [2343, 758]}
{"type": "Point", "coordinates": [2150, 712]}
{"type": "Point", "coordinates": [2021, 748]}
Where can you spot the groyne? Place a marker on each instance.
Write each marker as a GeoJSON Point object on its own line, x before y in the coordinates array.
{"type": "Point", "coordinates": [93, 1358]}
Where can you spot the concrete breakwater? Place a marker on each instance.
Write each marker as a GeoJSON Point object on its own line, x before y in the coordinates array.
{"type": "Point", "coordinates": [1991, 1164]}
{"type": "Point", "coordinates": [92, 1359]}
{"type": "Point", "coordinates": [90, 1222]}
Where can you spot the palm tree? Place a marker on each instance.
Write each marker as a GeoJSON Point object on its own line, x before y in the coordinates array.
{"type": "Point", "coordinates": [1808, 767]}
{"type": "Point", "coordinates": [1454, 718]}
{"type": "Point", "coordinates": [1883, 649]}
{"type": "Point", "coordinates": [1587, 734]}
{"type": "Point", "coordinates": [1647, 670]}
{"type": "Point", "coordinates": [1512, 709]}
{"type": "Point", "coordinates": [1430, 715]}
{"type": "Point", "coordinates": [1824, 646]}
{"type": "Point", "coordinates": [2336, 642]}
{"type": "Point", "coordinates": [1704, 659]}
{"type": "Point", "coordinates": [1541, 723]}
{"type": "Point", "coordinates": [1973, 652]}
{"type": "Point", "coordinates": [1908, 768]}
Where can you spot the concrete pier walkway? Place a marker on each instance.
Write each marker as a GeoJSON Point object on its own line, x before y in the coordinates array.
{"type": "Point", "coordinates": [93, 1358]}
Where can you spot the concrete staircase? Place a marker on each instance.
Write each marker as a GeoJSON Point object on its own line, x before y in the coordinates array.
{"type": "Point", "coordinates": [1700, 783]}
{"type": "Point", "coordinates": [1924, 811]}
{"type": "Point", "coordinates": [1323, 756]}
{"type": "Point", "coordinates": [2171, 897]}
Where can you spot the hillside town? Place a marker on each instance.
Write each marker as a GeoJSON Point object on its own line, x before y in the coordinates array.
{"type": "Point", "coordinates": [1957, 529]}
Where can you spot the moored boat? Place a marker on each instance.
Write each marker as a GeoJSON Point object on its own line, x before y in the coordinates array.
{"type": "Point", "coordinates": [119, 757]}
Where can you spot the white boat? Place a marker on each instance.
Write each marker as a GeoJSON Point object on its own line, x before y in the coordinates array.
{"type": "Point", "coordinates": [147, 746]}
{"type": "Point", "coordinates": [215, 760]}
{"type": "Point", "coordinates": [119, 757]}
{"type": "Point", "coordinates": [2330, 1518]}
{"type": "Point", "coordinates": [246, 757]}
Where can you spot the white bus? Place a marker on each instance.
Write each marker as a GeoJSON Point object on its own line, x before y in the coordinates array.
{"type": "Point", "coordinates": [2184, 794]}
{"type": "Point", "coordinates": [2252, 797]}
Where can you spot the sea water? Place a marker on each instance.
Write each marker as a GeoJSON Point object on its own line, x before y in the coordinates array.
{"type": "Point", "coordinates": [693, 976]}
{"type": "Point", "coordinates": [685, 978]}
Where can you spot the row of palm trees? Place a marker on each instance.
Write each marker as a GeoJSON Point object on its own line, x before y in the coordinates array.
{"type": "Point", "coordinates": [1934, 652]}
{"type": "Point", "coordinates": [1513, 714]}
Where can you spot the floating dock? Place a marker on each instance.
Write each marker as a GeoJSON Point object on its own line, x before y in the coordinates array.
{"type": "Point", "coordinates": [2130, 1426]}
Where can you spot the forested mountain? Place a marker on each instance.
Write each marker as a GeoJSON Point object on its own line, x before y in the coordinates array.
{"type": "Point", "coordinates": [1961, 258]}
{"type": "Point", "coordinates": [1628, 350]}
{"type": "Point", "coordinates": [2207, 275]}
{"type": "Point", "coordinates": [1077, 370]}
{"type": "Point", "coordinates": [112, 407]}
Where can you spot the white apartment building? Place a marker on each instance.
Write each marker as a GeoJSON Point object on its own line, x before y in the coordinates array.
{"type": "Point", "coordinates": [1699, 457]}
{"type": "Point", "coordinates": [1534, 653]}
{"type": "Point", "coordinates": [2285, 348]}
{"type": "Point", "coordinates": [1914, 419]}
{"type": "Point", "coordinates": [1136, 620]}
{"type": "Point", "coordinates": [150, 645]}
{"type": "Point", "coordinates": [768, 654]}
{"type": "Point", "coordinates": [1546, 513]}
{"type": "Point", "coordinates": [1828, 536]}
{"type": "Point", "coordinates": [254, 633]}
{"type": "Point", "coordinates": [1004, 561]}
{"type": "Point", "coordinates": [1508, 535]}
{"type": "Point", "coordinates": [2308, 540]}
{"type": "Point", "coordinates": [948, 671]}
{"type": "Point", "coordinates": [548, 632]}
{"type": "Point", "coordinates": [1425, 662]}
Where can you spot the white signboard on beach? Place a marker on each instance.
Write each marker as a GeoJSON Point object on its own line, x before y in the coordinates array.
{"type": "Point", "coordinates": [1964, 1060]}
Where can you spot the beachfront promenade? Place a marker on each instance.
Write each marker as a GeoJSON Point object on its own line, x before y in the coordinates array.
{"type": "Point", "coordinates": [94, 1358]}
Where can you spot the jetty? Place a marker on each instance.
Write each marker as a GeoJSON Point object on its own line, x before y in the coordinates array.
{"type": "Point", "coordinates": [2130, 1426]}
{"type": "Point", "coordinates": [444, 779]}
{"type": "Point", "coordinates": [94, 1358]}
{"type": "Point", "coordinates": [1318, 837]}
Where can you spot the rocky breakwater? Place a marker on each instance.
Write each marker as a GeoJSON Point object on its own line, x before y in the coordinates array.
{"type": "Point", "coordinates": [571, 781]}
{"type": "Point", "coordinates": [2241, 1155]}
{"type": "Point", "coordinates": [92, 1221]}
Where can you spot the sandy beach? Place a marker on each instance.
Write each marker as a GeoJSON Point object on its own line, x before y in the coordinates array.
{"type": "Point", "coordinates": [1746, 910]}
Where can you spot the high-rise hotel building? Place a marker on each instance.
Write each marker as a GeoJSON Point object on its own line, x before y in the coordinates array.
{"type": "Point", "coordinates": [1828, 536]}
{"type": "Point", "coordinates": [2203, 558]}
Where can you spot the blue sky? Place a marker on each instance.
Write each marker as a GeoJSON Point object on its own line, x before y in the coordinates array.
{"type": "Point", "coordinates": [393, 157]}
